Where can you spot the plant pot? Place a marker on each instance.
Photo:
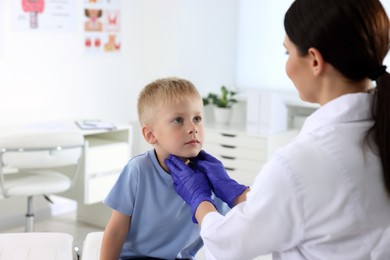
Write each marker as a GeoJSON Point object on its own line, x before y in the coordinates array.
{"type": "Point", "coordinates": [222, 115]}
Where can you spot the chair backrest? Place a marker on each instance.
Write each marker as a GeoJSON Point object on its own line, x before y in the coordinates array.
{"type": "Point", "coordinates": [36, 246]}
{"type": "Point", "coordinates": [44, 149]}
{"type": "Point", "coordinates": [91, 246]}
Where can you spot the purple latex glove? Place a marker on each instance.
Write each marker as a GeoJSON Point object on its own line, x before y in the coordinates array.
{"type": "Point", "coordinates": [223, 186]}
{"type": "Point", "coordinates": [192, 185]}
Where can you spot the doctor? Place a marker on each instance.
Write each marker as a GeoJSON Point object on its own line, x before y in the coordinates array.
{"type": "Point", "coordinates": [326, 195]}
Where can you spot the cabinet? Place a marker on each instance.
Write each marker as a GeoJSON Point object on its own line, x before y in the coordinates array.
{"type": "Point", "coordinates": [105, 154]}
{"type": "Point", "coordinates": [104, 159]}
{"type": "Point", "coordinates": [243, 154]}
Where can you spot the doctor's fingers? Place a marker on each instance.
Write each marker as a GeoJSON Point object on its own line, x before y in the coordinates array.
{"type": "Point", "coordinates": [175, 164]}
{"type": "Point", "coordinates": [204, 156]}
{"type": "Point", "coordinates": [204, 166]}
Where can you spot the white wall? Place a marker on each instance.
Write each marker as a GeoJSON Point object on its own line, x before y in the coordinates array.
{"type": "Point", "coordinates": [261, 56]}
{"type": "Point", "coordinates": [47, 75]}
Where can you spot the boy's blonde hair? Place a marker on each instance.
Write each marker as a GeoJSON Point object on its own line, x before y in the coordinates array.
{"type": "Point", "coordinates": [162, 92]}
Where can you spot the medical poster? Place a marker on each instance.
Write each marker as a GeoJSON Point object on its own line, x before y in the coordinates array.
{"type": "Point", "coordinates": [44, 15]}
{"type": "Point", "coordinates": [102, 26]}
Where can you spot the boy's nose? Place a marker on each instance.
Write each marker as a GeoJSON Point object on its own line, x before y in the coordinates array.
{"type": "Point", "coordinates": [193, 129]}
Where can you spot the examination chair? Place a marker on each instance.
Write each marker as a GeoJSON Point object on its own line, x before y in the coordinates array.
{"type": "Point", "coordinates": [91, 246]}
{"type": "Point", "coordinates": [38, 162]}
{"type": "Point", "coordinates": [36, 246]}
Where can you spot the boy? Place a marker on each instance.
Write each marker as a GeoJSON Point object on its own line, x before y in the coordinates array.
{"type": "Point", "coordinates": [149, 219]}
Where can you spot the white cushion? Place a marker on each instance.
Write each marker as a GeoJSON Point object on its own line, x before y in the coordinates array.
{"type": "Point", "coordinates": [36, 246]}
{"type": "Point", "coordinates": [92, 245]}
{"type": "Point", "coordinates": [35, 183]}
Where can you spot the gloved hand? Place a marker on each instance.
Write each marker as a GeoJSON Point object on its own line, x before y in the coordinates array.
{"type": "Point", "coordinates": [223, 186]}
{"type": "Point", "coordinates": [192, 185]}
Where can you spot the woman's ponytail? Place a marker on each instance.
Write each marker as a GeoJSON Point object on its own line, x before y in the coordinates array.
{"type": "Point", "coordinates": [381, 127]}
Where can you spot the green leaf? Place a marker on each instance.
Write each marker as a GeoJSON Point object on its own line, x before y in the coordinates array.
{"type": "Point", "coordinates": [225, 99]}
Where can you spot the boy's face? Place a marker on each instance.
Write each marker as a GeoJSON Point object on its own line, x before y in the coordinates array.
{"type": "Point", "coordinates": [178, 129]}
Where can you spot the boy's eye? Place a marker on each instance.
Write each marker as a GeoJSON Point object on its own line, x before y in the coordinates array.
{"type": "Point", "coordinates": [197, 119]}
{"type": "Point", "coordinates": [178, 120]}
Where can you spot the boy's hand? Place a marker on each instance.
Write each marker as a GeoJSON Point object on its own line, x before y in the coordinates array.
{"type": "Point", "coordinates": [223, 186]}
{"type": "Point", "coordinates": [192, 185]}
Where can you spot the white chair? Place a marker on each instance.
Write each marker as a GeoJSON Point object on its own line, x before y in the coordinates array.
{"type": "Point", "coordinates": [91, 246]}
{"type": "Point", "coordinates": [36, 246]}
{"type": "Point", "coordinates": [38, 163]}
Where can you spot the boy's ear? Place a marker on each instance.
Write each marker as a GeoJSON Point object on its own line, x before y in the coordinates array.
{"type": "Point", "coordinates": [317, 62]}
{"type": "Point", "coordinates": [148, 134]}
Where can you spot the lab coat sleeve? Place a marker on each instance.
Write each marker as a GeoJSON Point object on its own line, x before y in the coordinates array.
{"type": "Point", "coordinates": [270, 220]}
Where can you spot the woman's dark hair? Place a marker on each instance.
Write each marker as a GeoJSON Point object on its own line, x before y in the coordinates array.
{"type": "Point", "coordinates": [353, 36]}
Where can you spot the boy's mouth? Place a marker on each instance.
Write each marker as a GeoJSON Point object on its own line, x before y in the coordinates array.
{"type": "Point", "coordinates": [193, 142]}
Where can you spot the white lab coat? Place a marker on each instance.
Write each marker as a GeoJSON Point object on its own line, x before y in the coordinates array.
{"type": "Point", "coordinates": [320, 197]}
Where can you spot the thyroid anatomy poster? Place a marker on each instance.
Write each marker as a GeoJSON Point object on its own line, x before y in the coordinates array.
{"type": "Point", "coordinates": [102, 26]}
{"type": "Point", "coordinates": [44, 15]}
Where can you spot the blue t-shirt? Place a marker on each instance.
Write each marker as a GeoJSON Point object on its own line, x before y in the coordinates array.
{"type": "Point", "coordinates": [161, 222]}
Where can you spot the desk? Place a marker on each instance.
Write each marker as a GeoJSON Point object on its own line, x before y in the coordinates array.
{"type": "Point", "coordinates": [106, 153]}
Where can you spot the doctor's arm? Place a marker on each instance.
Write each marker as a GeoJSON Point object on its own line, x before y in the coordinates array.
{"type": "Point", "coordinates": [205, 207]}
{"type": "Point", "coordinates": [269, 220]}
{"type": "Point", "coordinates": [263, 211]}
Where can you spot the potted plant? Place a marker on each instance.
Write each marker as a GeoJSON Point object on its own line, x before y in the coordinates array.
{"type": "Point", "coordinates": [222, 104]}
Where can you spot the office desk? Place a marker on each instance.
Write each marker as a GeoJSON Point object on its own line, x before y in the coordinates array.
{"type": "Point", "coordinates": [106, 153]}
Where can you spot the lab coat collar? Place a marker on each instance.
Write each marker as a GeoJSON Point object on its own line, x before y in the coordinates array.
{"type": "Point", "coordinates": [344, 109]}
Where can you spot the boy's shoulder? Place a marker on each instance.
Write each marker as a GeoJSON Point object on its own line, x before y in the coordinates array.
{"type": "Point", "coordinates": [141, 158]}
{"type": "Point", "coordinates": [140, 162]}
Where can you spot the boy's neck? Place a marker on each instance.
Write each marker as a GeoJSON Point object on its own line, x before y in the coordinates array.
{"type": "Point", "coordinates": [161, 157]}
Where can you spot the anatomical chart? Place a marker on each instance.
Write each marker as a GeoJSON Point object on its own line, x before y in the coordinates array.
{"type": "Point", "coordinates": [44, 15]}
{"type": "Point", "coordinates": [102, 26]}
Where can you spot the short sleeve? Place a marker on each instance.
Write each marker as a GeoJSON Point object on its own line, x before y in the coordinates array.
{"type": "Point", "coordinates": [123, 193]}
{"type": "Point", "coordinates": [221, 206]}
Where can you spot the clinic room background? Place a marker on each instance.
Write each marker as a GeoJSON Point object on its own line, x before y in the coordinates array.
{"type": "Point", "coordinates": [48, 75]}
